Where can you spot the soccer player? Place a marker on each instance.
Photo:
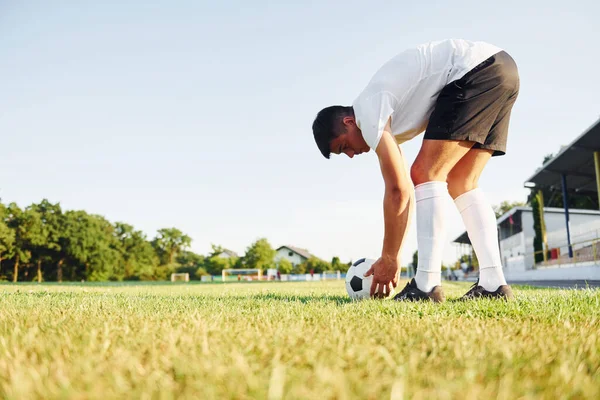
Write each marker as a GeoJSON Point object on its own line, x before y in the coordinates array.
{"type": "Point", "coordinates": [460, 93]}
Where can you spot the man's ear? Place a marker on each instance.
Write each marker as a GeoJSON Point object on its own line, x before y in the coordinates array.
{"type": "Point", "coordinates": [348, 120]}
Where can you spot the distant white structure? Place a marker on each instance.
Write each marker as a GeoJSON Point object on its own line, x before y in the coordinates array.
{"type": "Point", "coordinates": [325, 275]}
{"type": "Point", "coordinates": [295, 255]}
{"type": "Point", "coordinates": [228, 254]}
{"type": "Point", "coordinates": [516, 234]}
{"type": "Point", "coordinates": [183, 276]}
{"type": "Point", "coordinates": [246, 274]}
{"type": "Point", "coordinates": [271, 274]}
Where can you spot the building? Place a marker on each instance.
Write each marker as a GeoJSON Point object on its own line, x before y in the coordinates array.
{"type": "Point", "coordinates": [575, 169]}
{"type": "Point", "coordinates": [516, 233]}
{"type": "Point", "coordinates": [228, 254]}
{"type": "Point", "coordinates": [295, 255]}
{"type": "Point", "coordinates": [572, 235]}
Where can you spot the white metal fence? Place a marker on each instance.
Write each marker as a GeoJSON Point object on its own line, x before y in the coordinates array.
{"type": "Point", "coordinates": [585, 244]}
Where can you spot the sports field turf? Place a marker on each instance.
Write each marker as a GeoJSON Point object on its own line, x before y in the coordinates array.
{"type": "Point", "coordinates": [293, 341]}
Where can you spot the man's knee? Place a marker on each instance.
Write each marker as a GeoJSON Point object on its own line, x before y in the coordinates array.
{"type": "Point", "coordinates": [416, 174]}
{"type": "Point", "coordinates": [420, 173]}
{"type": "Point", "coordinates": [460, 182]}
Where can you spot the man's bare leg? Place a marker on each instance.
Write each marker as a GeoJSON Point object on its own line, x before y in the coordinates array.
{"type": "Point", "coordinates": [479, 219]}
{"type": "Point", "coordinates": [429, 173]}
{"type": "Point", "coordinates": [465, 175]}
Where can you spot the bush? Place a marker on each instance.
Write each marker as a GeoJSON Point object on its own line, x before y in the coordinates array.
{"type": "Point", "coordinates": [163, 272]}
{"type": "Point", "coordinates": [284, 266]}
{"type": "Point", "coordinates": [200, 272]}
{"type": "Point", "coordinates": [299, 269]}
{"type": "Point", "coordinates": [191, 270]}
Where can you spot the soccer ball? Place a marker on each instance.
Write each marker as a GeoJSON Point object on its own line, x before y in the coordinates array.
{"type": "Point", "coordinates": [357, 286]}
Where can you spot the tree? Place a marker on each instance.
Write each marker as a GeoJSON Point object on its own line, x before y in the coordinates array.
{"type": "Point", "coordinates": [138, 257]}
{"type": "Point", "coordinates": [299, 268]}
{"type": "Point", "coordinates": [27, 227]}
{"type": "Point", "coordinates": [317, 265]}
{"type": "Point", "coordinates": [505, 206]}
{"type": "Point", "coordinates": [415, 260]}
{"type": "Point", "coordinates": [336, 264]}
{"type": "Point", "coordinates": [547, 158]}
{"type": "Point", "coordinates": [189, 259]}
{"type": "Point", "coordinates": [105, 261]}
{"type": "Point", "coordinates": [469, 259]}
{"type": "Point", "coordinates": [259, 255]}
{"type": "Point", "coordinates": [91, 247]}
{"type": "Point", "coordinates": [217, 250]}
{"type": "Point", "coordinates": [7, 241]}
{"type": "Point", "coordinates": [200, 272]}
{"type": "Point", "coordinates": [7, 237]}
{"type": "Point", "coordinates": [192, 263]}
{"type": "Point", "coordinates": [537, 228]}
{"type": "Point", "coordinates": [169, 242]}
{"type": "Point", "coordinates": [473, 260]}
{"type": "Point", "coordinates": [38, 245]}
{"type": "Point", "coordinates": [76, 245]}
{"type": "Point", "coordinates": [53, 229]}
{"type": "Point", "coordinates": [284, 266]}
{"type": "Point", "coordinates": [215, 263]}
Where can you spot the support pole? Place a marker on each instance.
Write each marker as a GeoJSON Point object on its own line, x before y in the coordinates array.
{"type": "Point", "coordinates": [597, 165]}
{"type": "Point", "coordinates": [566, 205]}
{"type": "Point", "coordinates": [540, 195]}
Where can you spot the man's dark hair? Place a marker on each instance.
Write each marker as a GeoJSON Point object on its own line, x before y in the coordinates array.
{"type": "Point", "coordinates": [328, 125]}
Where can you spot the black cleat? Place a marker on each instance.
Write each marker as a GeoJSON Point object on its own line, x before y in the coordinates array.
{"type": "Point", "coordinates": [476, 292]}
{"type": "Point", "coordinates": [412, 293]}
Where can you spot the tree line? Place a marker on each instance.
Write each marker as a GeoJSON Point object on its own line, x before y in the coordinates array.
{"type": "Point", "coordinates": [43, 242]}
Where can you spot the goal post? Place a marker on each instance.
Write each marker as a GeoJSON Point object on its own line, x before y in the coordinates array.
{"type": "Point", "coordinates": [243, 274]}
{"type": "Point", "coordinates": [183, 276]}
{"type": "Point", "coordinates": [331, 275]}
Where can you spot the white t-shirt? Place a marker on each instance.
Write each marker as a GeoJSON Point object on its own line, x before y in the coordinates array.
{"type": "Point", "coordinates": [407, 86]}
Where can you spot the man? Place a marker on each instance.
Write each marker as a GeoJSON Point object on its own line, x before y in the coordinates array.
{"type": "Point", "coordinates": [461, 94]}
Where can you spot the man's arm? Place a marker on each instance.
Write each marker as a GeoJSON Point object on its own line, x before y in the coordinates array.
{"type": "Point", "coordinates": [398, 194]}
{"type": "Point", "coordinates": [397, 208]}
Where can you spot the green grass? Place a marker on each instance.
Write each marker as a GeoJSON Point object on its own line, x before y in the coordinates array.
{"type": "Point", "coordinates": [292, 341]}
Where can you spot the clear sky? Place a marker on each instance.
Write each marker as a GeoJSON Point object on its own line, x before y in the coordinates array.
{"type": "Point", "coordinates": [197, 114]}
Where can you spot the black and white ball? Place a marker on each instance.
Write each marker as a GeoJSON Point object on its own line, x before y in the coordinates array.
{"type": "Point", "coordinates": [357, 286]}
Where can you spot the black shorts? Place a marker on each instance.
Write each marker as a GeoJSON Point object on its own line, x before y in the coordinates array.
{"type": "Point", "coordinates": [477, 106]}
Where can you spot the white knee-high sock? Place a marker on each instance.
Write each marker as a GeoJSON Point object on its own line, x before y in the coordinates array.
{"type": "Point", "coordinates": [431, 200]}
{"type": "Point", "coordinates": [480, 221]}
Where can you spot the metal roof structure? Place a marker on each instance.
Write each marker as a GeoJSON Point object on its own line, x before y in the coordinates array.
{"type": "Point", "coordinates": [575, 162]}
{"type": "Point", "coordinates": [575, 169]}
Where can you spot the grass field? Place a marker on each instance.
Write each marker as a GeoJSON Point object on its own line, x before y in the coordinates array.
{"type": "Point", "coordinates": [292, 341]}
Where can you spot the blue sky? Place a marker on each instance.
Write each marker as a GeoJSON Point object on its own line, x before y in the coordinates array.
{"type": "Point", "coordinates": [197, 115]}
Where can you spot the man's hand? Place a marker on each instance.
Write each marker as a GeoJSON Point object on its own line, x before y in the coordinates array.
{"type": "Point", "coordinates": [385, 275]}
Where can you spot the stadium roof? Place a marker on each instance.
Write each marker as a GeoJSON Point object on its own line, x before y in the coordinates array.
{"type": "Point", "coordinates": [575, 161]}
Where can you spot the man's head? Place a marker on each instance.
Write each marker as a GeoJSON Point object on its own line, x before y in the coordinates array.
{"type": "Point", "coordinates": [336, 132]}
